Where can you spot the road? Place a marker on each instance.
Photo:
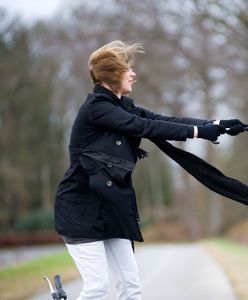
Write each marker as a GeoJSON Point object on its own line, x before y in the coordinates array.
{"type": "Point", "coordinates": [13, 256]}
{"type": "Point", "coordinates": [172, 272]}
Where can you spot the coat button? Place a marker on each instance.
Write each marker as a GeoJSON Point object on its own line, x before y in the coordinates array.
{"type": "Point", "coordinates": [118, 142]}
{"type": "Point", "coordinates": [109, 183]}
{"type": "Point", "coordinates": [109, 165]}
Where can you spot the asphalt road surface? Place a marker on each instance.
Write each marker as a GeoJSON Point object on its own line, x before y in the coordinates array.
{"type": "Point", "coordinates": [172, 272]}
{"type": "Point", "coordinates": [13, 256]}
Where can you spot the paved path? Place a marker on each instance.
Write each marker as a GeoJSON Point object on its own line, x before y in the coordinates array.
{"type": "Point", "coordinates": [13, 256]}
{"type": "Point", "coordinates": [172, 272]}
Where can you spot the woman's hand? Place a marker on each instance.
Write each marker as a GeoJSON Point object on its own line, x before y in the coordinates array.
{"type": "Point", "coordinates": [210, 132]}
{"type": "Point", "coordinates": [233, 126]}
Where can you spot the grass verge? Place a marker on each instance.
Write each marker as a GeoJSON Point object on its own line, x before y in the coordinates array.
{"type": "Point", "coordinates": [22, 281]}
{"type": "Point", "coordinates": [233, 258]}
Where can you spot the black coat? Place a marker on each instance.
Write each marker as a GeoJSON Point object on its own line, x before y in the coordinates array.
{"type": "Point", "coordinates": [95, 199]}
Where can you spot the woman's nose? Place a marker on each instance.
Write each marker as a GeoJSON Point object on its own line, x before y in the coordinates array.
{"type": "Point", "coordinates": [132, 73]}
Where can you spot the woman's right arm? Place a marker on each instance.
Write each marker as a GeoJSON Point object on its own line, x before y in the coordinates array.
{"type": "Point", "coordinates": [105, 113]}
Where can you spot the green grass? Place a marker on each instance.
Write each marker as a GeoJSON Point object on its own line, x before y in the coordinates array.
{"type": "Point", "coordinates": [21, 281]}
{"type": "Point", "coordinates": [43, 264]}
{"type": "Point", "coordinates": [233, 257]}
{"type": "Point", "coordinates": [230, 246]}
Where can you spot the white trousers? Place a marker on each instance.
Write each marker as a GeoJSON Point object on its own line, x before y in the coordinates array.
{"type": "Point", "coordinates": [94, 260]}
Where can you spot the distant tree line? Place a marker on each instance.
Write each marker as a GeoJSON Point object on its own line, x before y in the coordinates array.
{"type": "Point", "coordinates": [196, 64]}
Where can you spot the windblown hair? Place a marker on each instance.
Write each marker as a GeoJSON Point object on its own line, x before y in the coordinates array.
{"type": "Point", "coordinates": [108, 63]}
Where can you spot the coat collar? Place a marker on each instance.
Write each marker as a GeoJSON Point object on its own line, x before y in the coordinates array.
{"type": "Point", "coordinates": [102, 90]}
{"type": "Point", "coordinates": [124, 101]}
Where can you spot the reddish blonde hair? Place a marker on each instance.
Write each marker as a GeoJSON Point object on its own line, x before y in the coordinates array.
{"type": "Point", "coordinates": [108, 63]}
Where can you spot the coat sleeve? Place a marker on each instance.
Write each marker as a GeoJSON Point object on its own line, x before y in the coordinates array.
{"type": "Point", "coordinates": [189, 121]}
{"type": "Point", "coordinates": [107, 114]}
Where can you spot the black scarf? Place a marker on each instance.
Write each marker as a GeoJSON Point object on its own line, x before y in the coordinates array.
{"type": "Point", "coordinates": [205, 173]}
{"type": "Point", "coordinates": [208, 175]}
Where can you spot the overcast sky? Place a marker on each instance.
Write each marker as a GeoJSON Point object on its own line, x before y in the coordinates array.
{"type": "Point", "coordinates": [31, 10]}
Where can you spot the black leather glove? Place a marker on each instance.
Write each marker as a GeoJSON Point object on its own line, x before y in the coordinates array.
{"type": "Point", "coordinates": [235, 129]}
{"type": "Point", "coordinates": [210, 132]}
{"type": "Point", "coordinates": [233, 126]}
{"type": "Point", "coordinates": [231, 122]}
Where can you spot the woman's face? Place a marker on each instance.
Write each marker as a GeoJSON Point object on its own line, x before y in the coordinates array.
{"type": "Point", "coordinates": [128, 78]}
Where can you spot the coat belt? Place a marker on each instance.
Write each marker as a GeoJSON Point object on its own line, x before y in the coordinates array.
{"type": "Point", "coordinates": [110, 160]}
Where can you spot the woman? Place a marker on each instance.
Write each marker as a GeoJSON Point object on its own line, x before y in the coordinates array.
{"type": "Point", "coordinates": [95, 208]}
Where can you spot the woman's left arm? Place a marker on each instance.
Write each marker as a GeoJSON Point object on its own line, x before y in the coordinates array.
{"type": "Point", "coordinates": [233, 126]}
{"type": "Point", "coordinates": [144, 113]}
